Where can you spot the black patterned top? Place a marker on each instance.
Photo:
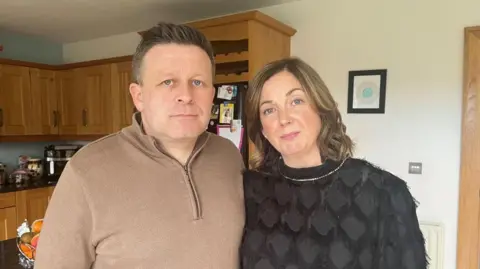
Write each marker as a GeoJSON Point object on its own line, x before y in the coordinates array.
{"type": "Point", "coordinates": [356, 217]}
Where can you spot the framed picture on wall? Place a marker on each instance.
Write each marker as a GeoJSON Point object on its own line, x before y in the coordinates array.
{"type": "Point", "coordinates": [366, 91]}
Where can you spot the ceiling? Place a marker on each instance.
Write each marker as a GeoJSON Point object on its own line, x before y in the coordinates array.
{"type": "Point", "coordinates": [74, 20]}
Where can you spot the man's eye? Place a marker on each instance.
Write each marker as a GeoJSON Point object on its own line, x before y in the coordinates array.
{"type": "Point", "coordinates": [197, 83]}
{"type": "Point", "coordinates": [167, 82]}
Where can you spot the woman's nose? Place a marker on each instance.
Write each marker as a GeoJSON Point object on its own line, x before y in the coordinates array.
{"type": "Point", "coordinates": [283, 117]}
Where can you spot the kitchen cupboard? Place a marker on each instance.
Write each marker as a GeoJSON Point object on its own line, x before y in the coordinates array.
{"type": "Point", "coordinates": [15, 105]}
{"type": "Point", "coordinates": [122, 104]}
{"type": "Point", "coordinates": [8, 216]}
{"type": "Point", "coordinates": [16, 207]}
{"type": "Point", "coordinates": [85, 102]}
{"type": "Point", "coordinates": [92, 89]}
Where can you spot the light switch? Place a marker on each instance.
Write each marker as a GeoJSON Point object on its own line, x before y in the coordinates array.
{"type": "Point", "coordinates": [414, 168]}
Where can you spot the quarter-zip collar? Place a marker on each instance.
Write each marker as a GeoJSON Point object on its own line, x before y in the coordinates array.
{"type": "Point", "coordinates": [152, 146]}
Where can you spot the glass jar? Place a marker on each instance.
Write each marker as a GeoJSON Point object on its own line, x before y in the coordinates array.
{"type": "Point", "coordinates": [35, 167]}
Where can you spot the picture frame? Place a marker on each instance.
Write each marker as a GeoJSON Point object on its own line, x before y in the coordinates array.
{"type": "Point", "coordinates": [367, 91]}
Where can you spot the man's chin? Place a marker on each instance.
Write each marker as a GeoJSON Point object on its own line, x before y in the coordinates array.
{"type": "Point", "coordinates": [187, 134]}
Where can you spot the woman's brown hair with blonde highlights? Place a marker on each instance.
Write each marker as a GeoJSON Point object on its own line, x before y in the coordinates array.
{"type": "Point", "coordinates": [332, 140]}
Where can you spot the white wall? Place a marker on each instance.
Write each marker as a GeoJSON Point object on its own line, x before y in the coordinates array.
{"type": "Point", "coordinates": [105, 47]}
{"type": "Point", "coordinates": [423, 55]}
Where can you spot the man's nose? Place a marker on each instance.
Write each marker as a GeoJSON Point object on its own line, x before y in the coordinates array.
{"type": "Point", "coordinates": [185, 95]}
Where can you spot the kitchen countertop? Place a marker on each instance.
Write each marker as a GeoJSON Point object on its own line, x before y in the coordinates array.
{"type": "Point", "coordinates": [9, 255]}
{"type": "Point", "coordinates": [31, 184]}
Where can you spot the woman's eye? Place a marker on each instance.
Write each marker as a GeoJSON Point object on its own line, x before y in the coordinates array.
{"type": "Point", "coordinates": [268, 111]}
{"type": "Point", "coordinates": [297, 101]}
{"type": "Point", "coordinates": [197, 83]}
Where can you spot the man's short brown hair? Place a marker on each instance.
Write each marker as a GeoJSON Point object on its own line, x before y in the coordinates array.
{"type": "Point", "coordinates": [169, 33]}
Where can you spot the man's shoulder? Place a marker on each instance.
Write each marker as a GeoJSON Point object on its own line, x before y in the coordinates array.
{"type": "Point", "coordinates": [222, 145]}
{"type": "Point", "coordinates": [99, 150]}
{"type": "Point", "coordinates": [221, 150]}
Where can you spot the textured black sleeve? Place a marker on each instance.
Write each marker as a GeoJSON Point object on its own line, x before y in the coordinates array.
{"type": "Point", "coordinates": [401, 244]}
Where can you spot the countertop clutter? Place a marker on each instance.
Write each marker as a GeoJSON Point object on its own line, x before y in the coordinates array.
{"type": "Point", "coordinates": [27, 185]}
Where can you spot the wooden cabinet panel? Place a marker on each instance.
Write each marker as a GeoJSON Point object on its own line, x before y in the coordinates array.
{"type": "Point", "coordinates": [68, 103]}
{"type": "Point", "coordinates": [7, 199]}
{"type": "Point", "coordinates": [122, 104]}
{"type": "Point", "coordinates": [8, 223]}
{"type": "Point", "coordinates": [14, 99]}
{"type": "Point", "coordinates": [93, 84]}
{"type": "Point", "coordinates": [232, 31]}
{"type": "Point", "coordinates": [50, 193]}
{"type": "Point", "coordinates": [44, 95]}
{"type": "Point", "coordinates": [32, 204]}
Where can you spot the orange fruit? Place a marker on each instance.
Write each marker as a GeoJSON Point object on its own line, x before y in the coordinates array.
{"type": "Point", "coordinates": [37, 226]}
{"type": "Point", "coordinates": [26, 250]}
{"type": "Point", "coordinates": [34, 241]}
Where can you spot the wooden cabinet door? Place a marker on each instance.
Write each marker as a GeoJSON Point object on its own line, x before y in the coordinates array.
{"type": "Point", "coordinates": [122, 104]}
{"type": "Point", "coordinates": [45, 116]}
{"type": "Point", "coordinates": [8, 223]}
{"type": "Point", "coordinates": [68, 103]}
{"type": "Point", "coordinates": [50, 193]}
{"type": "Point", "coordinates": [94, 85]}
{"type": "Point", "coordinates": [14, 99]}
{"type": "Point", "coordinates": [32, 204]}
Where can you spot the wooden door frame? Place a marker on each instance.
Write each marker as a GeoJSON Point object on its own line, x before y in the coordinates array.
{"type": "Point", "coordinates": [468, 233]}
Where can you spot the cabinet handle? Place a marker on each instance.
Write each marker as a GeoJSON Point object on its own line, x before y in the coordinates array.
{"type": "Point", "coordinates": [55, 118]}
{"type": "Point", "coordinates": [1, 117]}
{"type": "Point", "coordinates": [84, 115]}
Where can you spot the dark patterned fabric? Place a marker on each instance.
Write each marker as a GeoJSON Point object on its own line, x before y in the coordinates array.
{"type": "Point", "coordinates": [359, 217]}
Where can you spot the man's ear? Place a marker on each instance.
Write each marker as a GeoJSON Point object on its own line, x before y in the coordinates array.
{"type": "Point", "coordinates": [137, 95]}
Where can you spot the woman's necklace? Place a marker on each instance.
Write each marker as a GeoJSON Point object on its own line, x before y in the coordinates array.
{"type": "Point", "coordinates": [313, 178]}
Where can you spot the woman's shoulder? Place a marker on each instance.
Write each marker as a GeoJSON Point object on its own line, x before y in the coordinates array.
{"type": "Point", "coordinates": [381, 177]}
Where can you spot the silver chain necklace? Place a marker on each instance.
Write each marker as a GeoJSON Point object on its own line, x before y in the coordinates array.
{"type": "Point", "coordinates": [313, 178]}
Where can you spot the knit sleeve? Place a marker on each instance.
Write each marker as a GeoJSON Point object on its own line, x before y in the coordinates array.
{"type": "Point", "coordinates": [65, 241]}
{"type": "Point", "coordinates": [401, 244]}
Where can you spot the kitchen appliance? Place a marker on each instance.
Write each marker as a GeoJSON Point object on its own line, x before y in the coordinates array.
{"type": "Point", "coordinates": [56, 158]}
{"type": "Point", "coordinates": [227, 106]}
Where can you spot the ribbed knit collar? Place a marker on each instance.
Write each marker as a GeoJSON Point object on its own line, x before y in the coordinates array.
{"type": "Point", "coordinates": [326, 167]}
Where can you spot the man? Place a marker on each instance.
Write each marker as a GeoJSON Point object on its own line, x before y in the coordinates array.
{"type": "Point", "coordinates": [163, 192]}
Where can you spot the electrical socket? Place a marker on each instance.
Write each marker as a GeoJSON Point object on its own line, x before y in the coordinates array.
{"type": "Point", "coordinates": [415, 168]}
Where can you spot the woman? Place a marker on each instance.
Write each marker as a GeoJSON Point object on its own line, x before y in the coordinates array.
{"type": "Point", "coordinates": [309, 204]}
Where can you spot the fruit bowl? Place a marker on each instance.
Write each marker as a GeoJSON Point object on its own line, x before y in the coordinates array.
{"type": "Point", "coordinates": [27, 241]}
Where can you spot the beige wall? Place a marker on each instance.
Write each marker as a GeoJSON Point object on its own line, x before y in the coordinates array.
{"type": "Point", "coordinates": [421, 45]}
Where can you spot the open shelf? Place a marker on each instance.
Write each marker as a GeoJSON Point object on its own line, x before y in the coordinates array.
{"type": "Point", "coordinates": [231, 78]}
{"type": "Point", "coordinates": [231, 68]}
{"type": "Point", "coordinates": [229, 46]}
{"type": "Point", "coordinates": [231, 72]}
{"type": "Point", "coordinates": [231, 57]}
